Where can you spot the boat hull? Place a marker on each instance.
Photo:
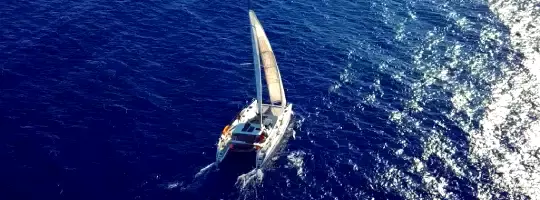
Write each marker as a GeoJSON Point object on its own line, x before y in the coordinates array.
{"type": "Point", "coordinates": [265, 154]}
{"type": "Point", "coordinates": [279, 119]}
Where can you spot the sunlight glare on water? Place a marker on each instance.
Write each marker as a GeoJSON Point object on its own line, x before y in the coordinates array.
{"type": "Point", "coordinates": [412, 99]}
{"type": "Point", "coordinates": [496, 105]}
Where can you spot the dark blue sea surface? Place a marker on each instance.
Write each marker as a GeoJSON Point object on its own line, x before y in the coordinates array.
{"type": "Point", "coordinates": [394, 99]}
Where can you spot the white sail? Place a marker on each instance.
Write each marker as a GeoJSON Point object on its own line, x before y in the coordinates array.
{"type": "Point", "coordinates": [271, 70]}
{"type": "Point", "coordinates": [256, 63]}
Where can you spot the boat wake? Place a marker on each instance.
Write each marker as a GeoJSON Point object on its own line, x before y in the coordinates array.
{"type": "Point", "coordinates": [251, 178]}
{"type": "Point", "coordinates": [247, 184]}
{"type": "Point", "coordinates": [296, 161]}
{"type": "Point", "coordinates": [205, 170]}
{"type": "Point", "coordinates": [199, 179]}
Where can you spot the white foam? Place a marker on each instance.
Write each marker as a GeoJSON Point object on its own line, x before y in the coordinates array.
{"type": "Point", "coordinates": [296, 160]}
{"type": "Point", "coordinates": [173, 185]}
{"type": "Point", "coordinates": [354, 165]}
{"type": "Point", "coordinates": [346, 76]}
{"type": "Point", "coordinates": [252, 178]}
{"type": "Point", "coordinates": [206, 169]}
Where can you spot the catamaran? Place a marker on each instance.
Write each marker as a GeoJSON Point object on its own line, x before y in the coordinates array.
{"type": "Point", "coordinates": [259, 127]}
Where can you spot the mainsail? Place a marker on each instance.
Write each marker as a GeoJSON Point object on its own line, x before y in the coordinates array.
{"type": "Point", "coordinates": [271, 70]}
{"type": "Point", "coordinates": [257, 63]}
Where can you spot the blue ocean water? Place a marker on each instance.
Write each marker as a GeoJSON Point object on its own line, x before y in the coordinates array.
{"type": "Point", "coordinates": [394, 99]}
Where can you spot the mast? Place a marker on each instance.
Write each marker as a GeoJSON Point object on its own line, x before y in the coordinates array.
{"type": "Point", "coordinates": [256, 63]}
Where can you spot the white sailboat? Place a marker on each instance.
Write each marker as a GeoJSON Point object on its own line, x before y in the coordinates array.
{"type": "Point", "coordinates": [259, 127]}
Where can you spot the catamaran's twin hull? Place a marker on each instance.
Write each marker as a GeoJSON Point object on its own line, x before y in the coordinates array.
{"type": "Point", "coordinates": [259, 127]}
{"type": "Point", "coordinates": [275, 121]}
